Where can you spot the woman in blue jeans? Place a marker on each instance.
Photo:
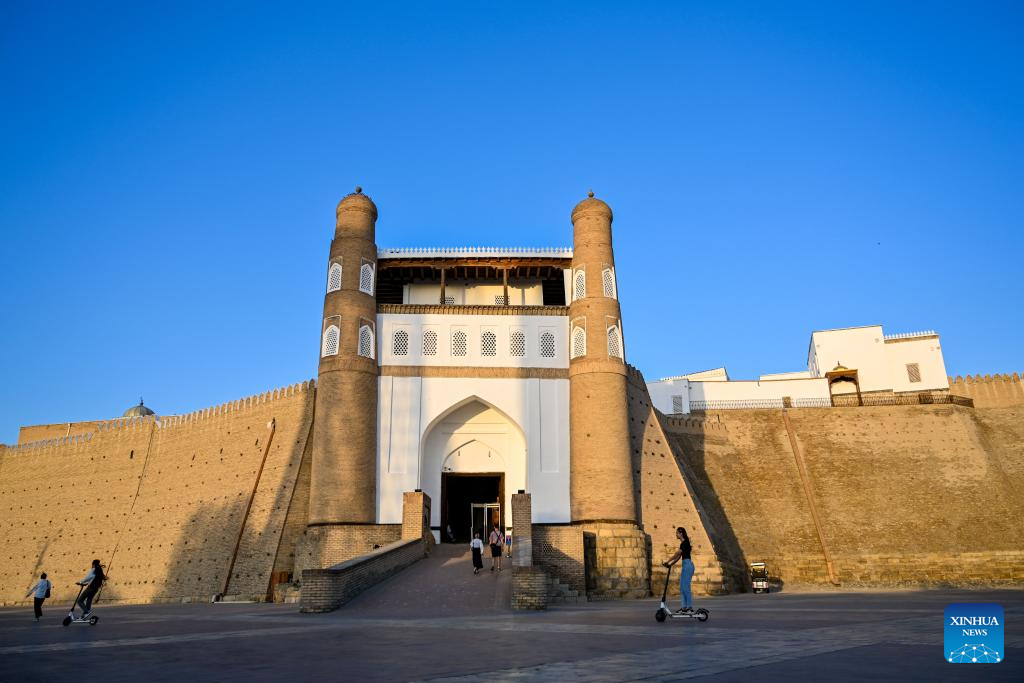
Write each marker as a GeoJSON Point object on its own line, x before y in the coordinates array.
{"type": "Point", "coordinates": [685, 596]}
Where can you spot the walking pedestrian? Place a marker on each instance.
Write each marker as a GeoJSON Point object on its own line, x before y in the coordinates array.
{"type": "Point", "coordinates": [496, 540]}
{"type": "Point", "coordinates": [42, 591]}
{"type": "Point", "coordinates": [685, 596]}
{"type": "Point", "coordinates": [93, 581]}
{"type": "Point", "coordinates": [477, 546]}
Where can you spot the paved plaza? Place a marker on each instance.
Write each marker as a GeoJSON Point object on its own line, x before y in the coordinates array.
{"type": "Point", "coordinates": [438, 622]}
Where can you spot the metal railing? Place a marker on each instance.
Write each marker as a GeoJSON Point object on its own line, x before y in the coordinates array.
{"type": "Point", "coordinates": [839, 401]}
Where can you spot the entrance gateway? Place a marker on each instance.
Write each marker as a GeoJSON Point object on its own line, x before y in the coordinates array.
{"type": "Point", "coordinates": [471, 503]}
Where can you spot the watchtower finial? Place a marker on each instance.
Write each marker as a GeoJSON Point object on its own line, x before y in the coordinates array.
{"type": "Point", "coordinates": [359, 190]}
{"type": "Point", "coordinates": [590, 193]}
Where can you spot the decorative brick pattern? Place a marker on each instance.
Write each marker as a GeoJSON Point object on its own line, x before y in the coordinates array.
{"type": "Point", "coordinates": [558, 550]}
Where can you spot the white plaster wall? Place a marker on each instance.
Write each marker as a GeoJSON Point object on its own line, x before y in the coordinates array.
{"type": "Point", "coordinates": [410, 408]}
{"type": "Point", "coordinates": [520, 293]}
{"type": "Point", "coordinates": [755, 390]}
{"type": "Point", "coordinates": [533, 326]}
{"type": "Point", "coordinates": [927, 353]}
{"type": "Point", "coordinates": [735, 390]}
{"type": "Point", "coordinates": [858, 348]}
{"type": "Point", "coordinates": [662, 392]}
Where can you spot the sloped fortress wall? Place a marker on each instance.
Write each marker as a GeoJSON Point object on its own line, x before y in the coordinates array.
{"type": "Point", "coordinates": [907, 495]}
{"type": "Point", "coordinates": [666, 500]}
{"type": "Point", "coordinates": [162, 504]}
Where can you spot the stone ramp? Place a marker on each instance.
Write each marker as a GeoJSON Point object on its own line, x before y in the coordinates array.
{"type": "Point", "coordinates": [442, 584]}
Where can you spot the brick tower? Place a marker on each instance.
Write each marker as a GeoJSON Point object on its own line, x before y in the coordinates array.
{"type": "Point", "coordinates": [602, 494]}
{"type": "Point", "coordinates": [343, 487]}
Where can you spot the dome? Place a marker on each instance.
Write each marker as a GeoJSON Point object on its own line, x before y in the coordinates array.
{"type": "Point", "coordinates": [138, 411]}
{"type": "Point", "coordinates": [357, 201]}
{"type": "Point", "coordinates": [592, 205]}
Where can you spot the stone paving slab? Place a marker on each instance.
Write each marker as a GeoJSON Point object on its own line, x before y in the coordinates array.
{"type": "Point", "coordinates": [837, 637]}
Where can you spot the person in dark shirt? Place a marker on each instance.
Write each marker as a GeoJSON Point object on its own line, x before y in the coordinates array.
{"type": "Point", "coordinates": [685, 596]}
{"type": "Point", "coordinates": [93, 581]}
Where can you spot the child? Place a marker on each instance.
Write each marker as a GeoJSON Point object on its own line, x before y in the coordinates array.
{"type": "Point", "coordinates": [42, 591]}
{"type": "Point", "coordinates": [478, 548]}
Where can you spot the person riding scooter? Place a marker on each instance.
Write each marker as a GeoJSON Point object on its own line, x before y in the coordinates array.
{"type": "Point", "coordinates": [93, 581]}
{"type": "Point", "coordinates": [685, 596]}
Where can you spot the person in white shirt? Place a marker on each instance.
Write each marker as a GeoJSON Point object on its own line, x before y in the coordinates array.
{"type": "Point", "coordinates": [42, 591]}
{"type": "Point", "coordinates": [477, 547]}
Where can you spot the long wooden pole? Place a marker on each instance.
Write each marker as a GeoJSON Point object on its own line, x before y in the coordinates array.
{"type": "Point", "coordinates": [809, 493]}
{"type": "Point", "coordinates": [248, 506]}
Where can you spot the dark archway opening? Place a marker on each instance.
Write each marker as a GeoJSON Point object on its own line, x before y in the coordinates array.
{"type": "Point", "coordinates": [471, 503]}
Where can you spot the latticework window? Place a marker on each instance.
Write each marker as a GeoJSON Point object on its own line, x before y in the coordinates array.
{"type": "Point", "coordinates": [579, 286]}
{"type": "Point", "coordinates": [608, 281]}
{"type": "Point", "coordinates": [579, 342]}
{"type": "Point", "coordinates": [366, 278]}
{"type": "Point", "coordinates": [449, 301]}
{"type": "Point", "coordinates": [330, 345]}
{"type": "Point", "coordinates": [614, 344]}
{"type": "Point", "coordinates": [547, 345]}
{"type": "Point", "coordinates": [677, 404]}
{"type": "Point", "coordinates": [430, 343]}
{"type": "Point", "coordinates": [488, 344]}
{"type": "Point", "coordinates": [517, 343]}
{"type": "Point", "coordinates": [334, 278]}
{"type": "Point", "coordinates": [460, 343]}
{"type": "Point", "coordinates": [400, 343]}
{"type": "Point", "coordinates": [500, 300]}
{"type": "Point", "coordinates": [365, 341]}
{"type": "Point", "coordinates": [913, 372]}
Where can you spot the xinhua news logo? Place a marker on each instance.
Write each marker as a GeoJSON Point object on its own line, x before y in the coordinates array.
{"type": "Point", "coordinates": [974, 633]}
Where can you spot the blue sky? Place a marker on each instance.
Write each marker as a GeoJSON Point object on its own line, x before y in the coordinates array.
{"type": "Point", "coordinates": [169, 177]}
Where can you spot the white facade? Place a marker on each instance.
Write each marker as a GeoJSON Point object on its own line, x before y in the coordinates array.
{"type": "Point", "coordinates": [518, 341]}
{"type": "Point", "coordinates": [908, 362]}
{"type": "Point", "coordinates": [469, 293]}
{"type": "Point", "coordinates": [519, 427]}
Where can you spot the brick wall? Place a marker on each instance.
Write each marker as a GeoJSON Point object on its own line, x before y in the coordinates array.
{"type": "Point", "coordinates": [667, 500]}
{"type": "Point", "coordinates": [558, 550]}
{"type": "Point", "coordinates": [33, 433]}
{"type": "Point", "coordinates": [907, 495]}
{"type": "Point", "coordinates": [325, 590]}
{"type": "Point", "coordinates": [160, 503]}
{"type": "Point", "coordinates": [990, 391]}
{"type": "Point", "coordinates": [529, 588]}
{"type": "Point", "coordinates": [326, 546]}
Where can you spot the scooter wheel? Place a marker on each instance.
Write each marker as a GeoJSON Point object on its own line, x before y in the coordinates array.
{"type": "Point", "coordinates": [67, 621]}
{"type": "Point", "coordinates": [93, 620]}
{"type": "Point", "coordinates": [702, 615]}
{"type": "Point", "coordinates": [660, 615]}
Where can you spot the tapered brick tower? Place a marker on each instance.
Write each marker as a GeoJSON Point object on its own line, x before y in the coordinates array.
{"type": "Point", "coordinates": [344, 459]}
{"type": "Point", "coordinates": [602, 493]}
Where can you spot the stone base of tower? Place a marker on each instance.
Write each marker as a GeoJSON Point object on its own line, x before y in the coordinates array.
{"type": "Point", "coordinates": [617, 565]}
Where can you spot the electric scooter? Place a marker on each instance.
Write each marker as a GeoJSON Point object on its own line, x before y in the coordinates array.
{"type": "Point", "coordinates": [72, 619]}
{"type": "Point", "coordinates": [664, 612]}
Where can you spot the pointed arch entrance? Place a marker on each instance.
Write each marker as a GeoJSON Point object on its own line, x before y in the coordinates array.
{"type": "Point", "coordinates": [474, 455]}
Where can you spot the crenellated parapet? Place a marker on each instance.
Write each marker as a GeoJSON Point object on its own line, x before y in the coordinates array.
{"type": "Point", "coordinates": [990, 391]}
{"type": "Point", "coordinates": [236, 406]}
{"type": "Point", "coordinates": [130, 426]}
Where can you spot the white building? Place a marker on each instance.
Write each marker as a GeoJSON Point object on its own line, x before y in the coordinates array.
{"type": "Point", "coordinates": [853, 361]}
{"type": "Point", "coordinates": [474, 391]}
